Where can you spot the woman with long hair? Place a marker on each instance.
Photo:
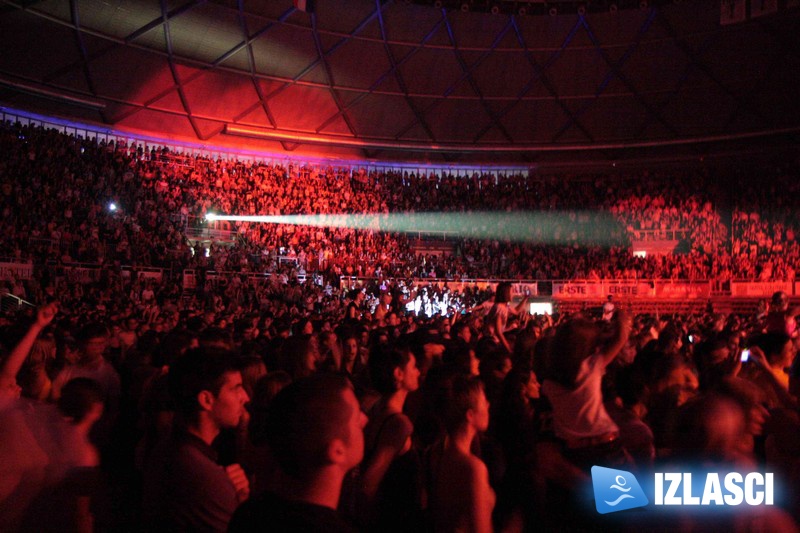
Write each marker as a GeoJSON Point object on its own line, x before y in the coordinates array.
{"type": "Point", "coordinates": [390, 470]}
{"type": "Point", "coordinates": [461, 498]}
{"type": "Point", "coordinates": [496, 320]}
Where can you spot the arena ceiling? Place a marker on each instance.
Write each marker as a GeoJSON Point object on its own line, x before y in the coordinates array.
{"type": "Point", "coordinates": [401, 79]}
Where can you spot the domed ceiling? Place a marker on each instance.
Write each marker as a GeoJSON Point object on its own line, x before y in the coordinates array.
{"type": "Point", "coordinates": [419, 80]}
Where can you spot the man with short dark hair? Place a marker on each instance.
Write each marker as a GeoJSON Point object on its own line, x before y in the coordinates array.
{"type": "Point", "coordinates": [184, 487]}
{"type": "Point", "coordinates": [781, 318]}
{"type": "Point", "coordinates": [315, 432]}
{"type": "Point", "coordinates": [93, 344]}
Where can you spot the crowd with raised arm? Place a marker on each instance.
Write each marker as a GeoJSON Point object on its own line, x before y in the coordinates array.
{"type": "Point", "coordinates": [127, 403]}
{"type": "Point", "coordinates": [444, 424]}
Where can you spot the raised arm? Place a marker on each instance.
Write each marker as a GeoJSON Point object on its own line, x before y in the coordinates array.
{"type": "Point", "coordinates": [623, 322]}
{"type": "Point", "coordinates": [10, 368]}
{"type": "Point", "coordinates": [521, 307]}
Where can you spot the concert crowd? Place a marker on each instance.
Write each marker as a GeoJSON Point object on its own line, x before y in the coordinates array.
{"type": "Point", "coordinates": [295, 403]}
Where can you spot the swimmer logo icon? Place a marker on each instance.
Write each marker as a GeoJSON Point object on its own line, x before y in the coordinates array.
{"type": "Point", "coordinates": [616, 490]}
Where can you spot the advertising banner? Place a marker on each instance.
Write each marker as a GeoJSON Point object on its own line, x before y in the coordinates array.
{"type": "Point", "coordinates": [16, 271]}
{"type": "Point", "coordinates": [578, 290]}
{"type": "Point", "coordinates": [149, 273]}
{"type": "Point", "coordinates": [82, 274]}
{"type": "Point", "coordinates": [629, 289]}
{"type": "Point", "coordinates": [683, 290]}
{"type": "Point", "coordinates": [601, 289]}
{"type": "Point", "coordinates": [761, 289]}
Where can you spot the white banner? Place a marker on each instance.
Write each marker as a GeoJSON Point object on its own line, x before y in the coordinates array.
{"type": "Point", "coordinates": [629, 289]}
{"type": "Point", "coordinates": [620, 290]}
{"type": "Point", "coordinates": [82, 274]}
{"type": "Point", "coordinates": [685, 290]}
{"type": "Point", "coordinates": [763, 289]}
{"type": "Point", "coordinates": [156, 274]}
{"type": "Point", "coordinates": [16, 271]}
{"type": "Point", "coordinates": [588, 290]}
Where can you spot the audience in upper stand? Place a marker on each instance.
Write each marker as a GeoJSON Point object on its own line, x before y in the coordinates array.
{"type": "Point", "coordinates": [56, 193]}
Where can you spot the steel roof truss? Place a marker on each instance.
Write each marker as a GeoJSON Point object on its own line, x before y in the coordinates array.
{"type": "Point", "coordinates": [466, 74]}
{"type": "Point", "coordinates": [84, 61]}
{"type": "Point", "coordinates": [392, 69]}
{"type": "Point", "coordinates": [539, 74]}
{"type": "Point", "coordinates": [252, 63]}
{"type": "Point", "coordinates": [614, 71]}
{"type": "Point", "coordinates": [693, 57]}
{"type": "Point", "coordinates": [674, 93]}
{"type": "Point", "coordinates": [128, 39]}
{"type": "Point", "coordinates": [174, 71]}
{"type": "Point", "coordinates": [207, 67]}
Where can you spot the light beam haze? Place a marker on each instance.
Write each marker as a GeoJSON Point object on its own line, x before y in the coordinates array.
{"type": "Point", "coordinates": [546, 227]}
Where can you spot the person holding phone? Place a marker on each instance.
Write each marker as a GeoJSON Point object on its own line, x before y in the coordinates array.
{"type": "Point", "coordinates": [766, 364]}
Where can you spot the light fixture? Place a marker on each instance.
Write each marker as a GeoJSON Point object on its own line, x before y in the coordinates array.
{"type": "Point", "coordinates": [51, 94]}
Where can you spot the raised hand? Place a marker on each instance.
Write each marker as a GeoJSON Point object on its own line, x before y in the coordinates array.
{"type": "Point", "coordinates": [45, 314]}
{"type": "Point", "coordinates": [239, 480]}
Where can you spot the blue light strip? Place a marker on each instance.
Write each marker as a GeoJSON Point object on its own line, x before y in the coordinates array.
{"type": "Point", "coordinates": [13, 114]}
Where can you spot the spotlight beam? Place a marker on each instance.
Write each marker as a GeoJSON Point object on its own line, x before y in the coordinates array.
{"type": "Point", "coordinates": [550, 227]}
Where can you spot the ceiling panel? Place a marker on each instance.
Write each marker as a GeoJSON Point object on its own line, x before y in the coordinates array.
{"type": "Point", "coordinates": [616, 71]}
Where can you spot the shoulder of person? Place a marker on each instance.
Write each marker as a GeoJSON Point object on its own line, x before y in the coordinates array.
{"type": "Point", "coordinates": [479, 473]}
{"type": "Point", "coordinates": [396, 427]}
{"type": "Point", "coordinates": [253, 513]}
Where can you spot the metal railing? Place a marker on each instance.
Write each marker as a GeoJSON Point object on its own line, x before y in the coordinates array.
{"type": "Point", "coordinates": [209, 234]}
{"type": "Point", "coordinates": [10, 303]}
{"type": "Point", "coordinates": [675, 234]}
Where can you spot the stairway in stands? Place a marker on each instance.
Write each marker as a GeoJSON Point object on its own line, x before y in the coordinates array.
{"type": "Point", "coordinates": [656, 247]}
{"type": "Point", "coordinates": [433, 246]}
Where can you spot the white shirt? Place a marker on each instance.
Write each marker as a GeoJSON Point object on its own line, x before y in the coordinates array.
{"type": "Point", "coordinates": [579, 413]}
{"type": "Point", "coordinates": [608, 311]}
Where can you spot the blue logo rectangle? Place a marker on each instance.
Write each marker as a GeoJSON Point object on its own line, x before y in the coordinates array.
{"type": "Point", "coordinates": [616, 490]}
